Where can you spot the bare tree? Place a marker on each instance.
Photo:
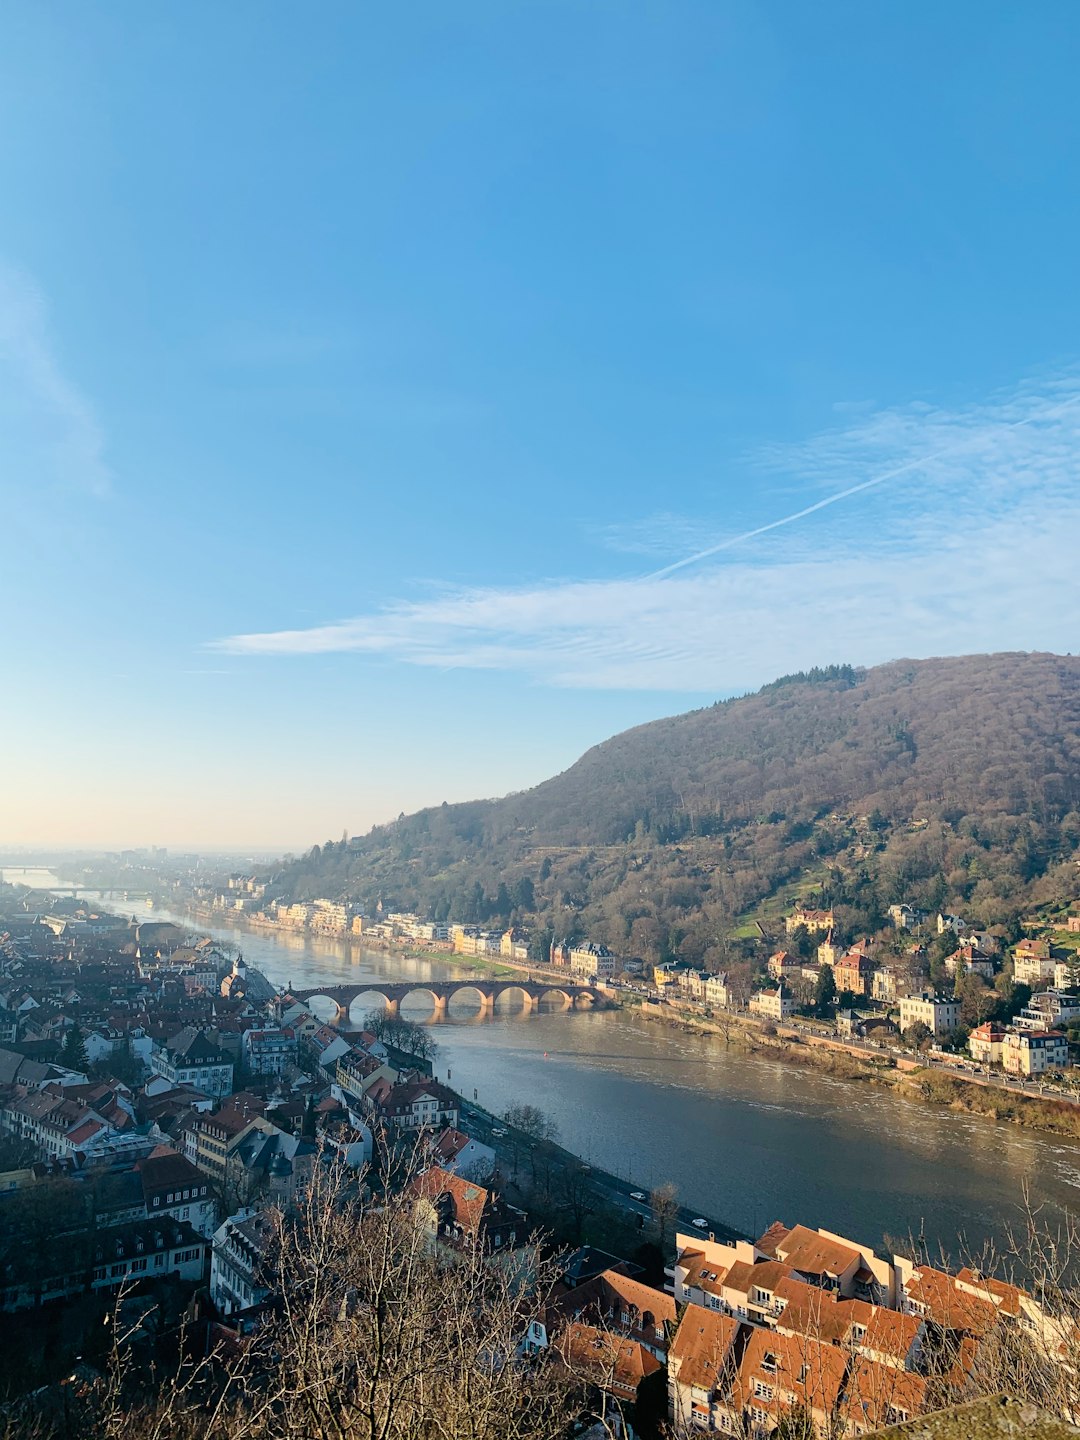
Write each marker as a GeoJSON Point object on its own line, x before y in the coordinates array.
{"type": "Point", "coordinates": [380, 1332]}
{"type": "Point", "coordinates": [664, 1203]}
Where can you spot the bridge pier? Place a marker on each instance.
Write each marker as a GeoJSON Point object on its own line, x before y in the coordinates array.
{"type": "Point", "coordinates": [487, 1004]}
{"type": "Point", "coordinates": [531, 1003]}
{"type": "Point", "coordinates": [440, 1007]}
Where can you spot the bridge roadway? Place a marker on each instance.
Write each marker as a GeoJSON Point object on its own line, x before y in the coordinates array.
{"type": "Point", "coordinates": [442, 991]}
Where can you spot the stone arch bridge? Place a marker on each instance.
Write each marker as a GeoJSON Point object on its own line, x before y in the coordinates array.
{"type": "Point", "coordinates": [443, 991]}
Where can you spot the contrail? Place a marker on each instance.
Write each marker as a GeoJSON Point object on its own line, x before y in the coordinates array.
{"type": "Point", "coordinates": [846, 494]}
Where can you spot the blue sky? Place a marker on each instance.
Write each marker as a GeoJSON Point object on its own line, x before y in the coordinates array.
{"type": "Point", "coordinates": [397, 400]}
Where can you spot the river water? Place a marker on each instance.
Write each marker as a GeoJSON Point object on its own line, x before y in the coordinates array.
{"type": "Point", "coordinates": [745, 1139]}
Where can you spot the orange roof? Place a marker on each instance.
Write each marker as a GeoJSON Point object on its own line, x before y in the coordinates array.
{"type": "Point", "coordinates": [789, 1365]}
{"type": "Point", "coordinates": [643, 1297]}
{"type": "Point", "coordinates": [702, 1274]}
{"type": "Point", "coordinates": [947, 1304]}
{"type": "Point", "coordinates": [878, 1395]}
{"type": "Point", "coordinates": [815, 1254]}
{"type": "Point", "coordinates": [810, 1310]}
{"type": "Point", "coordinates": [702, 1348]}
{"type": "Point", "coordinates": [1006, 1297]}
{"type": "Point", "coordinates": [765, 1274]}
{"type": "Point", "coordinates": [892, 1333]}
{"type": "Point", "coordinates": [772, 1237]}
{"type": "Point", "coordinates": [469, 1201]}
{"type": "Point", "coordinates": [613, 1362]}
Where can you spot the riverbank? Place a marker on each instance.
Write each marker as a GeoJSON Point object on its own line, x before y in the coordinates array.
{"type": "Point", "coordinates": [236, 920]}
{"type": "Point", "coordinates": [904, 1076]}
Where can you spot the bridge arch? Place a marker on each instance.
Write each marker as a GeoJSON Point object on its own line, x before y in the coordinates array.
{"type": "Point", "coordinates": [483, 993]}
{"type": "Point", "coordinates": [529, 999]}
{"type": "Point", "coordinates": [356, 1004]}
{"type": "Point", "coordinates": [435, 995]}
{"type": "Point", "coordinates": [556, 992]}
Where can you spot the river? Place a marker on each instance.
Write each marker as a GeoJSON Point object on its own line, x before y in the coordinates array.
{"type": "Point", "coordinates": [745, 1139]}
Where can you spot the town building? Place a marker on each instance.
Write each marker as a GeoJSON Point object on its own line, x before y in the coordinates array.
{"type": "Point", "coordinates": [413, 1104]}
{"type": "Point", "coordinates": [268, 1051]}
{"type": "Point", "coordinates": [107, 1260]}
{"type": "Point", "coordinates": [854, 972]}
{"type": "Point", "coordinates": [701, 1369]}
{"type": "Point", "coordinates": [463, 1155]}
{"type": "Point", "coordinates": [907, 917]}
{"type": "Point", "coordinates": [815, 922]}
{"type": "Point", "coordinates": [195, 1057]}
{"type": "Point", "coordinates": [459, 1213]}
{"type": "Point", "coordinates": [985, 1043]}
{"type": "Point", "coordinates": [588, 960]}
{"type": "Point", "coordinates": [239, 1275]}
{"type": "Point", "coordinates": [775, 1004]}
{"type": "Point", "coordinates": [784, 965]}
{"type": "Point", "coordinates": [939, 1013]}
{"type": "Point", "coordinates": [717, 993]}
{"type": "Point", "coordinates": [951, 922]}
{"type": "Point", "coordinates": [1049, 1010]}
{"type": "Point", "coordinates": [1034, 1052]}
{"type": "Point", "coordinates": [267, 1161]}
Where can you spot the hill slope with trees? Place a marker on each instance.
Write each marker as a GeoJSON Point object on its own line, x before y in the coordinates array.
{"type": "Point", "coordinates": [947, 783]}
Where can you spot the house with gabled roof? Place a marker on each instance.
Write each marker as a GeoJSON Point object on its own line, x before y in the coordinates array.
{"type": "Point", "coordinates": [778, 1373]}
{"type": "Point", "coordinates": [702, 1366]}
{"type": "Point", "coordinates": [879, 1395]}
{"type": "Point", "coordinates": [620, 1303]}
{"type": "Point", "coordinates": [611, 1363]}
{"type": "Point", "coordinates": [459, 1213]}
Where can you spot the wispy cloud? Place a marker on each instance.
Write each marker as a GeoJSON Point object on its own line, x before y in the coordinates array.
{"type": "Point", "coordinates": [969, 546]}
{"type": "Point", "coordinates": [50, 437]}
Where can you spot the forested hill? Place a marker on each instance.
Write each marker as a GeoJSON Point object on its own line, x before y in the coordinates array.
{"type": "Point", "coordinates": [948, 782]}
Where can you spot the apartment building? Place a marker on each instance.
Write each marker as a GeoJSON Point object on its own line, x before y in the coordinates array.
{"type": "Point", "coordinates": [939, 1013]}
{"type": "Point", "coordinates": [775, 1004]}
{"type": "Point", "coordinates": [1034, 1052]}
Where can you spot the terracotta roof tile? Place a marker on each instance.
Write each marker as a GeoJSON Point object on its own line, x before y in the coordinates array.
{"type": "Point", "coordinates": [702, 1348]}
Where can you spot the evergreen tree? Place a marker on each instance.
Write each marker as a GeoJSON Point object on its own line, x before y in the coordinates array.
{"type": "Point", "coordinates": [73, 1051]}
{"type": "Point", "coordinates": [825, 992]}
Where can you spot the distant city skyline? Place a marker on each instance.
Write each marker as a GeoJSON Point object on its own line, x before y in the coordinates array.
{"type": "Point", "coordinates": [393, 407]}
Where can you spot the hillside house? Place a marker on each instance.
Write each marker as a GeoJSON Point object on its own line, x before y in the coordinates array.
{"type": "Point", "coordinates": [815, 922]}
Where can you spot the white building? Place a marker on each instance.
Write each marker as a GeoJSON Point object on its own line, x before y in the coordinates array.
{"type": "Point", "coordinates": [588, 960]}
{"type": "Point", "coordinates": [939, 1013]}
{"type": "Point", "coordinates": [772, 1004]}
{"type": "Point", "coordinates": [192, 1057]}
{"type": "Point", "coordinates": [268, 1051]}
{"type": "Point", "coordinates": [1051, 1009]}
{"type": "Point", "coordinates": [237, 1268]}
{"type": "Point", "coordinates": [1033, 1052]}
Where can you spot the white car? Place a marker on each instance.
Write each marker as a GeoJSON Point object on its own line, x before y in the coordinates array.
{"type": "Point", "coordinates": [700, 1222]}
{"type": "Point", "coordinates": [638, 1195]}
{"type": "Point", "coordinates": [498, 1131]}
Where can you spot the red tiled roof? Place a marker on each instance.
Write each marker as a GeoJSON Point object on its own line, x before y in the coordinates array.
{"type": "Point", "coordinates": [702, 1348]}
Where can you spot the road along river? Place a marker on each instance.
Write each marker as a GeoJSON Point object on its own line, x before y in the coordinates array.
{"type": "Point", "coordinates": [745, 1139]}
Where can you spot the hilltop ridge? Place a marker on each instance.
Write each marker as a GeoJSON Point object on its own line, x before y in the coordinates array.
{"type": "Point", "coordinates": [946, 782]}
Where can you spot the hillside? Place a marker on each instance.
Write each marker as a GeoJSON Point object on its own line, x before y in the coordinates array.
{"type": "Point", "coordinates": [947, 782]}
